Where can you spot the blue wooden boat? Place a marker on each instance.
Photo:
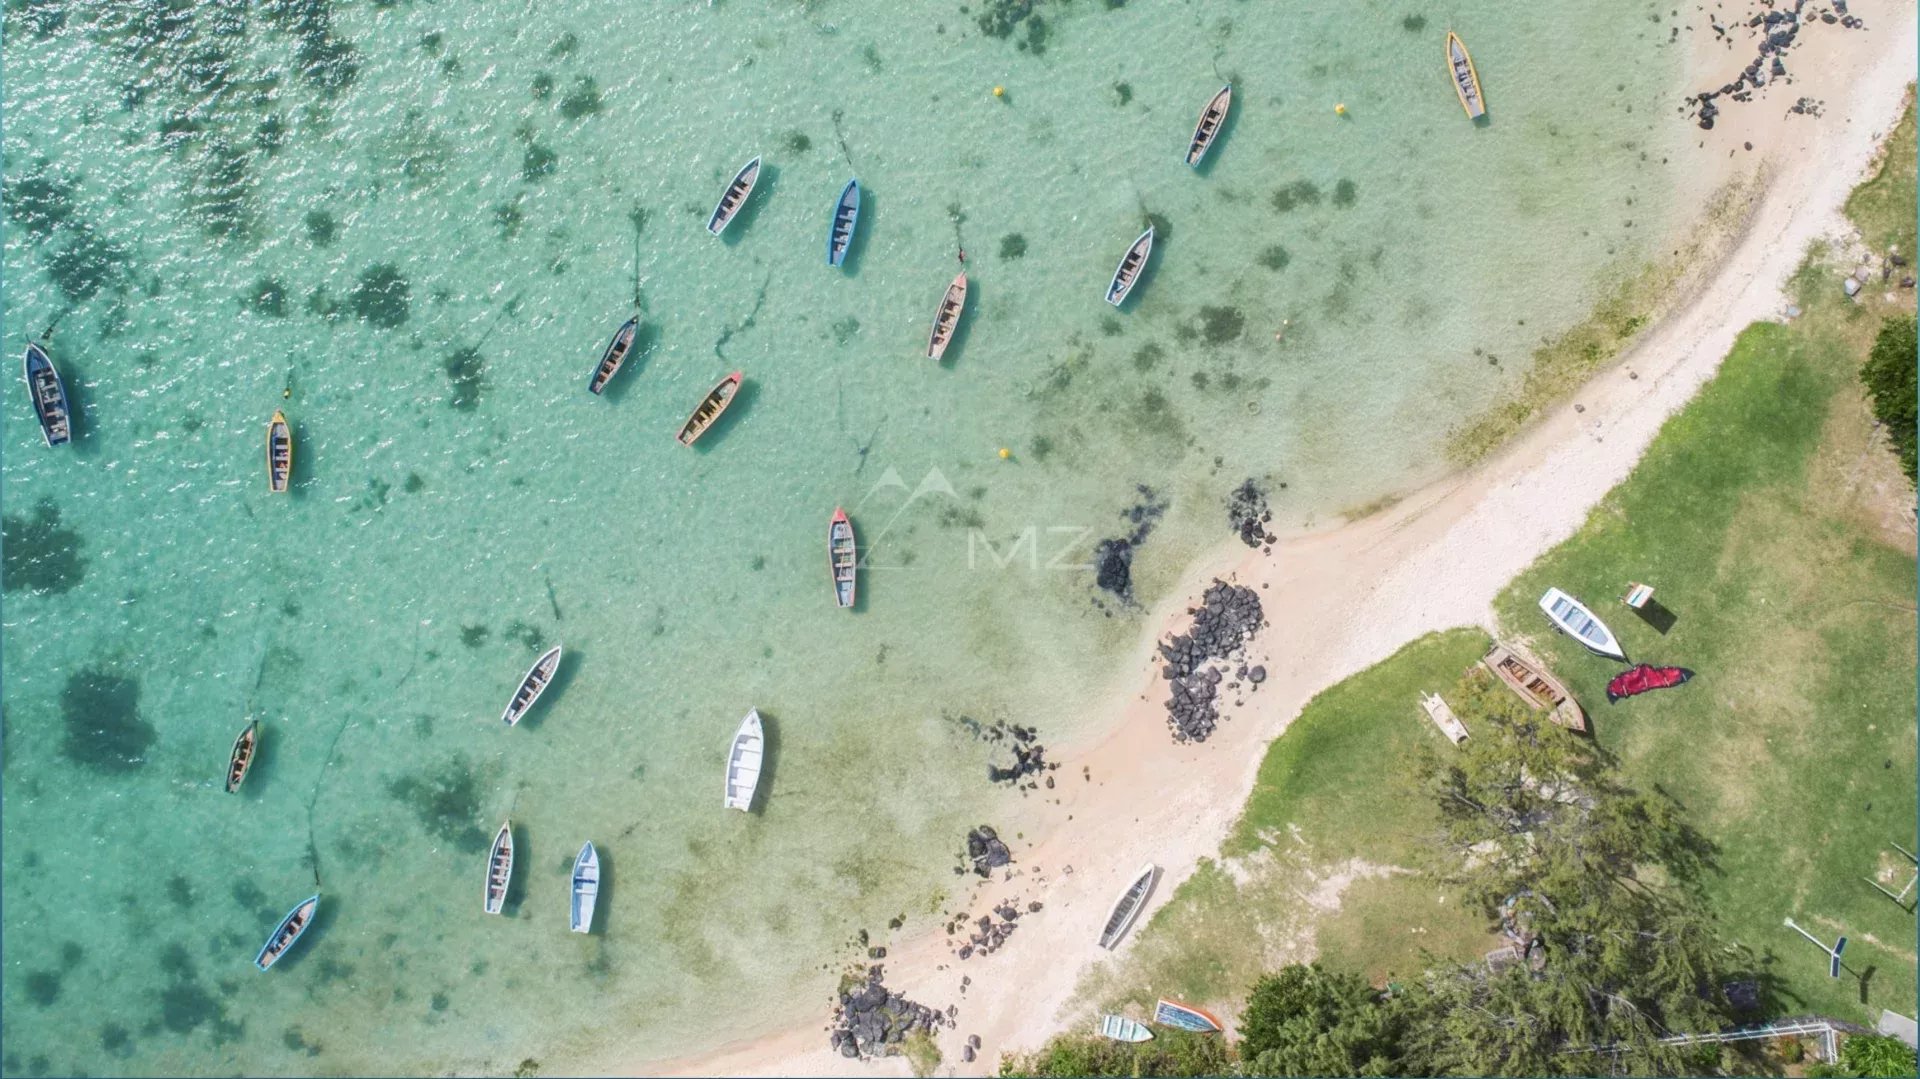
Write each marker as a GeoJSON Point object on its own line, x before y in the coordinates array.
{"type": "Point", "coordinates": [734, 197]}
{"type": "Point", "coordinates": [846, 213]}
{"type": "Point", "coordinates": [288, 931]}
{"type": "Point", "coordinates": [1129, 269]}
{"type": "Point", "coordinates": [49, 397]}
{"type": "Point", "coordinates": [1172, 1013]}
{"type": "Point", "coordinates": [614, 356]}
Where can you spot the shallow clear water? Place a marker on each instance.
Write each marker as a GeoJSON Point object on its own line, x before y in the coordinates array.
{"type": "Point", "coordinates": [213, 206]}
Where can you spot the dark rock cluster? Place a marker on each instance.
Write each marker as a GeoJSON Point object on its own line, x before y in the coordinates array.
{"type": "Point", "coordinates": [1248, 513]}
{"type": "Point", "coordinates": [1029, 759]}
{"type": "Point", "coordinates": [1777, 28]}
{"type": "Point", "coordinates": [871, 1021]}
{"type": "Point", "coordinates": [1113, 557]}
{"type": "Point", "coordinates": [1228, 618]}
{"type": "Point", "coordinates": [989, 931]}
{"type": "Point", "coordinates": [985, 853]}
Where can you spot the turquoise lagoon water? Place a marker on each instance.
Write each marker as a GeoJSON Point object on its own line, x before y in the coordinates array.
{"type": "Point", "coordinates": [413, 226]}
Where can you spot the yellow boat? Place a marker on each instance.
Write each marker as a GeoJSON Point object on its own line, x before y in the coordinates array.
{"type": "Point", "coordinates": [279, 453]}
{"type": "Point", "coordinates": [1466, 81]}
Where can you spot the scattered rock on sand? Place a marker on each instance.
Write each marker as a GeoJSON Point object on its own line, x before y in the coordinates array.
{"type": "Point", "coordinates": [871, 1021]}
{"type": "Point", "coordinates": [1227, 619]}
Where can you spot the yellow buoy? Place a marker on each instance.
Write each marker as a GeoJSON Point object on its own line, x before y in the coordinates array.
{"type": "Point", "coordinates": [1340, 109]}
{"type": "Point", "coordinates": [1005, 453]}
{"type": "Point", "coordinates": [999, 91]}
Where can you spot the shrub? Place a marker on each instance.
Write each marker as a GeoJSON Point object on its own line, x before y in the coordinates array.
{"type": "Point", "coordinates": [1889, 378]}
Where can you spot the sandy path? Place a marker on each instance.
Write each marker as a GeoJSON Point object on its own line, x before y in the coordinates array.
{"type": "Point", "coordinates": [1433, 561]}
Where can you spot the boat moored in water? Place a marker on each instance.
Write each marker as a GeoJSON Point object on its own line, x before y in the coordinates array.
{"type": "Point", "coordinates": [279, 453]}
{"type": "Point", "coordinates": [1466, 81]}
{"type": "Point", "coordinates": [499, 870]}
{"type": "Point", "coordinates": [1208, 128]}
{"type": "Point", "coordinates": [586, 889]}
{"type": "Point", "coordinates": [952, 303]}
{"type": "Point", "coordinates": [711, 406]}
{"type": "Point", "coordinates": [49, 394]}
{"type": "Point", "coordinates": [530, 688]}
{"type": "Point", "coordinates": [241, 759]}
{"type": "Point", "coordinates": [614, 356]}
{"type": "Point", "coordinates": [287, 932]}
{"type": "Point", "coordinates": [744, 757]}
{"type": "Point", "coordinates": [1130, 266]}
{"type": "Point", "coordinates": [846, 214]}
{"type": "Point", "coordinates": [842, 557]}
{"type": "Point", "coordinates": [734, 197]}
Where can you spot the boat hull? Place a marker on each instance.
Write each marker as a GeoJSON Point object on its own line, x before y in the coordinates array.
{"type": "Point", "coordinates": [946, 318]}
{"type": "Point", "coordinates": [240, 760]}
{"type": "Point", "coordinates": [710, 408]}
{"type": "Point", "coordinates": [499, 870]}
{"type": "Point", "coordinates": [846, 217]}
{"type": "Point", "coordinates": [1534, 684]}
{"type": "Point", "coordinates": [744, 758]}
{"type": "Point", "coordinates": [842, 558]}
{"type": "Point", "coordinates": [48, 392]}
{"type": "Point", "coordinates": [1573, 618]}
{"type": "Point", "coordinates": [279, 453]}
{"type": "Point", "coordinates": [1172, 1013]}
{"type": "Point", "coordinates": [538, 677]}
{"type": "Point", "coordinates": [586, 890]}
{"type": "Point", "coordinates": [614, 356]}
{"type": "Point", "coordinates": [1466, 79]}
{"type": "Point", "coordinates": [1127, 907]}
{"type": "Point", "coordinates": [1128, 272]}
{"type": "Point", "coordinates": [738, 191]}
{"type": "Point", "coordinates": [1208, 129]}
{"type": "Point", "coordinates": [287, 933]}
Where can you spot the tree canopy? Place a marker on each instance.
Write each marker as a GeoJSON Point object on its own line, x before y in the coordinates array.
{"type": "Point", "coordinates": [1890, 379]}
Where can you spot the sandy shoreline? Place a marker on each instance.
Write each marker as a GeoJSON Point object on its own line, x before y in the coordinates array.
{"type": "Point", "coordinates": [1434, 560]}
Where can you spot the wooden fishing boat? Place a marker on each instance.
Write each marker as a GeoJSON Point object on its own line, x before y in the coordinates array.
{"type": "Point", "coordinates": [1126, 908]}
{"type": "Point", "coordinates": [288, 931]}
{"type": "Point", "coordinates": [1208, 128]}
{"type": "Point", "coordinates": [241, 759]}
{"type": "Point", "coordinates": [711, 406]}
{"type": "Point", "coordinates": [1172, 1013]}
{"type": "Point", "coordinates": [846, 214]}
{"type": "Point", "coordinates": [842, 556]}
{"type": "Point", "coordinates": [49, 396]}
{"type": "Point", "coordinates": [1130, 266]}
{"type": "Point", "coordinates": [1466, 81]}
{"type": "Point", "coordinates": [1579, 623]}
{"type": "Point", "coordinates": [743, 762]}
{"type": "Point", "coordinates": [947, 317]}
{"type": "Point", "coordinates": [586, 889]}
{"type": "Point", "coordinates": [1531, 682]}
{"type": "Point", "coordinates": [614, 356]}
{"type": "Point", "coordinates": [279, 453]}
{"type": "Point", "coordinates": [534, 684]}
{"type": "Point", "coordinates": [499, 870]}
{"type": "Point", "coordinates": [734, 197]}
{"type": "Point", "coordinates": [1122, 1029]}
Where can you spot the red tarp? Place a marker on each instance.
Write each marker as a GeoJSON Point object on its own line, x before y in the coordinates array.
{"type": "Point", "coordinates": [1643, 678]}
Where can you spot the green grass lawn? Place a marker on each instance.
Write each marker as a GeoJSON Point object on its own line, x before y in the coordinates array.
{"type": "Point", "coordinates": [1883, 206]}
{"type": "Point", "coordinates": [1793, 749]}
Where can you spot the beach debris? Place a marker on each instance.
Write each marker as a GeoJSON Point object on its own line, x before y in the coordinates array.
{"type": "Point", "coordinates": [1248, 513]}
{"type": "Point", "coordinates": [985, 851]}
{"type": "Point", "coordinates": [1227, 619]}
{"type": "Point", "coordinates": [869, 1020]}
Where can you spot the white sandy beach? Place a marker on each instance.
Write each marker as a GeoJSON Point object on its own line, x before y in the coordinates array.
{"type": "Point", "coordinates": [1343, 599]}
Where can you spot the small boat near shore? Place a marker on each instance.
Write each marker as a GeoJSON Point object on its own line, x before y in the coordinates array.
{"type": "Point", "coordinates": [534, 684]}
{"type": "Point", "coordinates": [499, 870]}
{"type": "Point", "coordinates": [1172, 1013]}
{"type": "Point", "coordinates": [744, 757]}
{"type": "Point", "coordinates": [1122, 1029]}
{"type": "Point", "coordinates": [1208, 128]}
{"type": "Point", "coordinates": [279, 453]}
{"type": "Point", "coordinates": [49, 394]}
{"type": "Point", "coordinates": [614, 356]}
{"type": "Point", "coordinates": [947, 317]}
{"type": "Point", "coordinates": [842, 557]}
{"type": "Point", "coordinates": [1442, 715]}
{"type": "Point", "coordinates": [586, 889]}
{"type": "Point", "coordinates": [711, 406]}
{"type": "Point", "coordinates": [1129, 269]}
{"type": "Point", "coordinates": [1579, 623]}
{"type": "Point", "coordinates": [287, 932]}
{"type": "Point", "coordinates": [1531, 682]}
{"type": "Point", "coordinates": [1466, 81]}
{"type": "Point", "coordinates": [241, 759]}
{"type": "Point", "coordinates": [846, 214]}
{"type": "Point", "coordinates": [1126, 908]}
{"type": "Point", "coordinates": [734, 197]}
